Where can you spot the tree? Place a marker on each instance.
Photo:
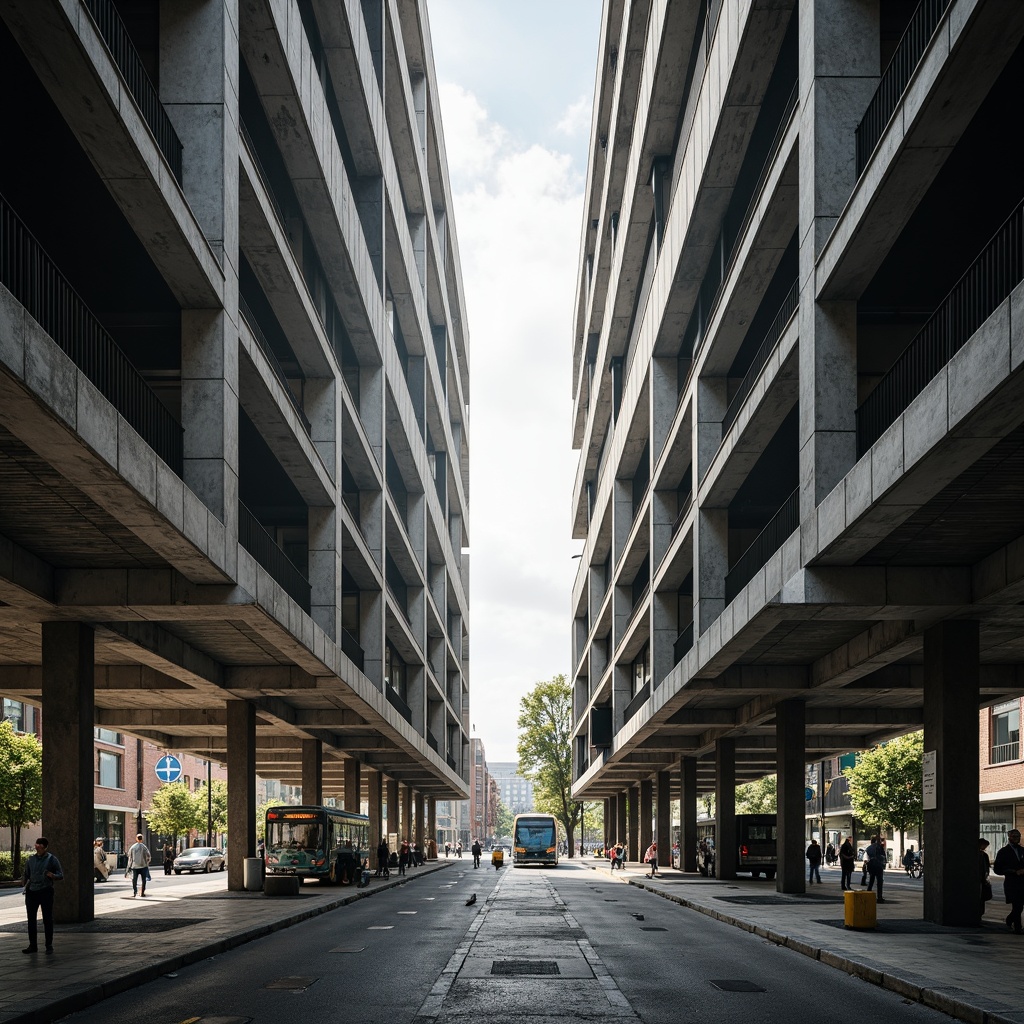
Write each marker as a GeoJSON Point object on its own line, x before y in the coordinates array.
{"type": "Point", "coordinates": [219, 808]}
{"type": "Point", "coordinates": [21, 785]}
{"type": "Point", "coordinates": [886, 784]}
{"type": "Point", "coordinates": [175, 811]}
{"type": "Point", "coordinates": [545, 751]}
{"type": "Point", "coordinates": [261, 818]}
{"type": "Point", "coordinates": [503, 826]}
{"type": "Point", "coordinates": [760, 797]}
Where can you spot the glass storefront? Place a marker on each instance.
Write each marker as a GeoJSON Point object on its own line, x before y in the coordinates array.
{"type": "Point", "coordinates": [109, 825]}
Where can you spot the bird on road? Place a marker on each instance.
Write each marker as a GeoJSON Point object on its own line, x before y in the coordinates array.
{"type": "Point", "coordinates": [471, 900]}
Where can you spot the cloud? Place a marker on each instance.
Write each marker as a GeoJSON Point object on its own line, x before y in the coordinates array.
{"type": "Point", "coordinates": [575, 121]}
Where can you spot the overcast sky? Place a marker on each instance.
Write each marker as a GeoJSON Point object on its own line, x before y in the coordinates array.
{"type": "Point", "coordinates": [516, 83]}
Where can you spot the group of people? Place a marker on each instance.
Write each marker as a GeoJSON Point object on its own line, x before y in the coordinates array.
{"type": "Point", "coordinates": [846, 855]}
{"type": "Point", "coordinates": [617, 858]}
{"type": "Point", "coordinates": [456, 849]}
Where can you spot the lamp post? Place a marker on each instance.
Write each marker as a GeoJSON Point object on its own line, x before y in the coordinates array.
{"type": "Point", "coordinates": [209, 804]}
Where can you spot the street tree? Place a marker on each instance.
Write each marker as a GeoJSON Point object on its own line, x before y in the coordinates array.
{"type": "Point", "coordinates": [175, 811]}
{"type": "Point", "coordinates": [545, 751]}
{"type": "Point", "coordinates": [217, 805]}
{"type": "Point", "coordinates": [759, 797]}
{"type": "Point", "coordinates": [21, 785]}
{"type": "Point", "coordinates": [503, 825]}
{"type": "Point", "coordinates": [886, 784]}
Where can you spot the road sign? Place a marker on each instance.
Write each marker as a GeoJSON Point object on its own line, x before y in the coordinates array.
{"type": "Point", "coordinates": [168, 768]}
{"type": "Point", "coordinates": [808, 793]}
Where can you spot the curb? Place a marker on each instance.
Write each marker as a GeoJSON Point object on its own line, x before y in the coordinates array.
{"type": "Point", "coordinates": [944, 999]}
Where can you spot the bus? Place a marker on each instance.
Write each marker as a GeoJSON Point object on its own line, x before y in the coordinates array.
{"type": "Point", "coordinates": [535, 840]}
{"type": "Point", "coordinates": [316, 842]}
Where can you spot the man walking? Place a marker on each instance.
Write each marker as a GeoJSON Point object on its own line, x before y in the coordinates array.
{"type": "Point", "coordinates": [1010, 864]}
{"type": "Point", "coordinates": [42, 869]}
{"type": "Point", "coordinates": [847, 859]}
{"type": "Point", "coordinates": [874, 858]}
{"type": "Point", "coordinates": [138, 864]}
{"type": "Point", "coordinates": [477, 851]}
{"type": "Point", "coordinates": [813, 856]}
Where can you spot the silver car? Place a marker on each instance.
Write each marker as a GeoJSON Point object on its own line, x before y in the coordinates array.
{"type": "Point", "coordinates": [199, 858]}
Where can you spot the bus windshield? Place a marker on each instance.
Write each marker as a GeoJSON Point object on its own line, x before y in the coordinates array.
{"type": "Point", "coordinates": [294, 835]}
{"type": "Point", "coordinates": [539, 834]}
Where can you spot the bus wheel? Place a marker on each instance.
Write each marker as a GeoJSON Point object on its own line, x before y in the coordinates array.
{"type": "Point", "coordinates": [770, 875]}
{"type": "Point", "coordinates": [755, 874]}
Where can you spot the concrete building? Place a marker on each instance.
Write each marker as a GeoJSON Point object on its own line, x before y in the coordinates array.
{"type": "Point", "coordinates": [798, 390]}
{"type": "Point", "coordinates": [479, 789]}
{"type": "Point", "coordinates": [514, 790]}
{"type": "Point", "coordinates": [234, 384]}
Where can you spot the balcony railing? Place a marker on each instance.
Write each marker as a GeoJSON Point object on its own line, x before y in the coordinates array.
{"type": "Point", "coordinates": [352, 649]}
{"type": "Point", "coordinates": [682, 645]}
{"type": "Point", "coordinates": [262, 546]}
{"type": "Point", "coordinates": [771, 339]}
{"type": "Point", "coordinates": [275, 363]}
{"type": "Point", "coordinates": [396, 701]}
{"type": "Point", "coordinates": [641, 698]}
{"type": "Point", "coordinates": [451, 762]}
{"type": "Point", "coordinates": [140, 85]}
{"type": "Point", "coordinates": [767, 542]}
{"type": "Point", "coordinates": [432, 742]}
{"type": "Point", "coordinates": [896, 77]}
{"type": "Point", "coordinates": [1004, 752]}
{"type": "Point", "coordinates": [988, 281]}
{"type": "Point", "coordinates": [261, 172]}
{"type": "Point", "coordinates": [34, 280]}
{"type": "Point", "coordinates": [684, 506]}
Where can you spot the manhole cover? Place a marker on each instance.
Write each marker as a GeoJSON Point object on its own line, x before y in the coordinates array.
{"type": "Point", "coordinates": [520, 967]}
{"type": "Point", "coordinates": [737, 986]}
{"type": "Point", "coordinates": [649, 929]}
{"type": "Point", "coordinates": [291, 983]}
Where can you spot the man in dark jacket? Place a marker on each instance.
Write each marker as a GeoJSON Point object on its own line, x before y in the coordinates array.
{"type": "Point", "coordinates": [42, 869]}
{"type": "Point", "coordinates": [874, 856]}
{"type": "Point", "coordinates": [813, 856]}
{"type": "Point", "coordinates": [847, 859]}
{"type": "Point", "coordinates": [1010, 864]}
{"type": "Point", "coordinates": [477, 851]}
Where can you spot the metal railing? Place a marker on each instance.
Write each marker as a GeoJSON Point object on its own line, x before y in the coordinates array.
{"type": "Point", "coordinates": [262, 173]}
{"type": "Point", "coordinates": [1003, 752]}
{"type": "Point", "coordinates": [641, 698]}
{"type": "Point", "coordinates": [896, 77]}
{"type": "Point", "coordinates": [451, 762]}
{"type": "Point", "coordinates": [140, 85]}
{"type": "Point", "coordinates": [275, 363]}
{"type": "Point", "coordinates": [36, 282]}
{"type": "Point", "coordinates": [987, 282]}
{"type": "Point", "coordinates": [772, 337]}
{"type": "Point", "coordinates": [261, 545]}
{"type": "Point", "coordinates": [684, 507]}
{"type": "Point", "coordinates": [767, 542]}
{"type": "Point", "coordinates": [396, 701]}
{"type": "Point", "coordinates": [432, 742]}
{"type": "Point", "coordinates": [682, 645]}
{"type": "Point", "coordinates": [352, 649]}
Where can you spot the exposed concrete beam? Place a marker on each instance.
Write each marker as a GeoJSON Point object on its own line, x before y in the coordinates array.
{"type": "Point", "coordinates": [877, 647]}
{"type": "Point", "coordinates": [878, 717]}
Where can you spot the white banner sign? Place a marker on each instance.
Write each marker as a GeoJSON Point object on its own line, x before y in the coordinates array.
{"type": "Point", "coordinates": [930, 781]}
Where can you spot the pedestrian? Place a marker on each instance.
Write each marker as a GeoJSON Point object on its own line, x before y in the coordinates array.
{"type": "Point", "coordinates": [458, 849]}
{"type": "Point", "coordinates": [984, 866]}
{"type": "Point", "coordinates": [619, 856]}
{"type": "Point", "coordinates": [813, 856]}
{"type": "Point", "coordinates": [874, 858]}
{"type": "Point", "coordinates": [651, 857]}
{"type": "Point", "coordinates": [1010, 864]}
{"type": "Point", "coordinates": [403, 856]}
{"type": "Point", "coordinates": [847, 859]}
{"type": "Point", "coordinates": [261, 848]}
{"type": "Point", "coordinates": [169, 857]}
{"type": "Point", "coordinates": [582, 848]}
{"type": "Point", "coordinates": [42, 869]}
{"type": "Point", "coordinates": [830, 855]}
{"type": "Point", "coordinates": [908, 858]}
{"type": "Point", "coordinates": [383, 859]}
{"type": "Point", "coordinates": [477, 850]}
{"type": "Point", "coordinates": [100, 868]}
{"type": "Point", "coordinates": [138, 865]}
{"type": "Point", "coordinates": [447, 850]}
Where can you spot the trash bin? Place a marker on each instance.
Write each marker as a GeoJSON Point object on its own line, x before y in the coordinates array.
{"type": "Point", "coordinates": [497, 858]}
{"type": "Point", "coordinates": [859, 909]}
{"type": "Point", "coordinates": [252, 876]}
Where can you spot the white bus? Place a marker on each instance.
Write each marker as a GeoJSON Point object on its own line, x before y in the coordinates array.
{"type": "Point", "coordinates": [535, 840]}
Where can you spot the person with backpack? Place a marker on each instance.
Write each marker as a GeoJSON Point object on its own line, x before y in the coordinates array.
{"type": "Point", "coordinates": [42, 869]}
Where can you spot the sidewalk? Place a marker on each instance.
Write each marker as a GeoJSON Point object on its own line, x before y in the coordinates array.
{"type": "Point", "coordinates": [973, 974]}
{"type": "Point", "coordinates": [178, 926]}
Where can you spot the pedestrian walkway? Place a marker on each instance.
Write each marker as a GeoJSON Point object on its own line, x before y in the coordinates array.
{"type": "Point", "coordinates": [973, 974]}
{"type": "Point", "coordinates": [133, 941]}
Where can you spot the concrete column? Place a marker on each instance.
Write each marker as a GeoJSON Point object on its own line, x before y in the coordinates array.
{"type": "Point", "coordinates": [633, 852]}
{"type": "Point", "coordinates": [313, 772]}
{"type": "Point", "coordinates": [324, 525]}
{"type": "Point", "coordinates": [951, 697]}
{"type": "Point", "coordinates": [663, 828]}
{"type": "Point", "coordinates": [646, 816]}
{"type": "Point", "coordinates": [711, 552]}
{"type": "Point", "coordinates": [688, 814]}
{"type": "Point", "coordinates": [407, 823]}
{"type": "Point", "coordinates": [394, 821]}
{"type": "Point", "coordinates": [664, 627]}
{"type": "Point", "coordinates": [621, 831]}
{"type": "Point", "coordinates": [790, 716]}
{"type": "Point", "coordinates": [432, 824]}
{"type": "Point", "coordinates": [610, 821]}
{"type": "Point", "coordinates": [419, 821]}
{"type": "Point", "coordinates": [725, 808]}
{"type": "Point", "coordinates": [353, 785]}
{"type": "Point", "coordinates": [68, 680]}
{"type": "Point", "coordinates": [241, 717]}
{"type": "Point", "coordinates": [369, 196]}
{"type": "Point", "coordinates": [375, 804]}
{"type": "Point", "coordinates": [622, 689]}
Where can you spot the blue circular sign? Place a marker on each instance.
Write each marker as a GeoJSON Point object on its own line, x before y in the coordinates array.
{"type": "Point", "coordinates": [808, 793]}
{"type": "Point", "coordinates": [168, 768]}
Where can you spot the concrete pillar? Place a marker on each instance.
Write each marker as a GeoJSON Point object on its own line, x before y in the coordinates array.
{"type": "Point", "coordinates": [432, 826]}
{"type": "Point", "coordinates": [725, 808]}
{"type": "Point", "coordinates": [711, 551]}
{"type": "Point", "coordinates": [407, 823]}
{"type": "Point", "coordinates": [324, 533]}
{"type": "Point", "coordinates": [663, 829]}
{"type": "Point", "coordinates": [369, 196]}
{"type": "Point", "coordinates": [609, 822]}
{"type": "Point", "coordinates": [646, 816]}
{"type": "Point", "coordinates": [394, 822]}
{"type": "Point", "coordinates": [419, 818]}
{"type": "Point", "coordinates": [353, 785]}
{"type": "Point", "coordinates": [241, 717]}
{"type": "Point", "coordinates": [68, 713]}
{"type": "Point", "coordinates": [664, 626]}
{"type": "Point", "coordinates": [951, 697]}
{"type": "Point", "coordinates": [374, 804]}
{"type": "Point", "coordinates": [790, 717]}
{"type": "Point", "coordinates": [621, 831]}
{"type": "Point", "coordinates": [633, 833]}
{"type": "Point", "coordinates": [622, 685]}
{"type": "Point", "coordinates": [313, 772]}
{"type": "Point", "coordinates": [688, 814]}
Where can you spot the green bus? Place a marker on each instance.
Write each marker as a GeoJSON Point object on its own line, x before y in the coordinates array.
{"type": "Point", "coordinates": [317, 842]}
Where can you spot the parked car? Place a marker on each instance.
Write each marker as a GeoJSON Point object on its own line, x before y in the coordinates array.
{"type": "Point", "coordinates": [199, 858]}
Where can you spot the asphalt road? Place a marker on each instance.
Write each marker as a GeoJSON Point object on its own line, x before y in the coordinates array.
{"type": "Point", "coordinates": [417, 953]}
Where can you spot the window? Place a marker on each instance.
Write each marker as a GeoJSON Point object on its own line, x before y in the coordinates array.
{"type": "Point", "coordinates": [109, 769]}
{"type": "Point", "coordinates": [394, 671]}
{"type": "Point", "coordinates": [1005, 732]}
{"type": "Point", "coordinates": [641, 669]}
{"type": "Point", "coordinates": [187, 781]}
{"type": "Point", "coordinates": [108, 736]}
{"type": "Point", "coordinates": [21, 716]}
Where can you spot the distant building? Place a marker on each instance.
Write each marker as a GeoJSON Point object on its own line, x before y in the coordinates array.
{"type": "Point", "coordinates": [514, 790]}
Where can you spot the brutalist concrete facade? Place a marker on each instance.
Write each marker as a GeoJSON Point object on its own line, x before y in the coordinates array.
{"type": "Point", "coordinates": [234, 383]}
{"type": "Point", "coordinates": [799, 406]}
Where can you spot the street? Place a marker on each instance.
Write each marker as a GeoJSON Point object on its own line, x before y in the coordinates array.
{"type": "Point", "coordinates": [536, 943]}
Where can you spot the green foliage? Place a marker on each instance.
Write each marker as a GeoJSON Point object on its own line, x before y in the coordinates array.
{"type": "Point", "coordinates": [6, 866]}
{"type": "Point", "coordinates": [760, 797]}
{"type": "Point", "coordinates": [886, 784]}
{"type": "Point", "coordinates": [175, 811]}
{"type": "Point", "coordinates": [503, 824]}
{"type": "Point", "coordinates": [545, 751]}
{"type": "Point", "coordinates": [219, 801]}
{"type": "Point", "coordinates": [261, 818]}
{"type": "Point", "coordinates": [21, 784]}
